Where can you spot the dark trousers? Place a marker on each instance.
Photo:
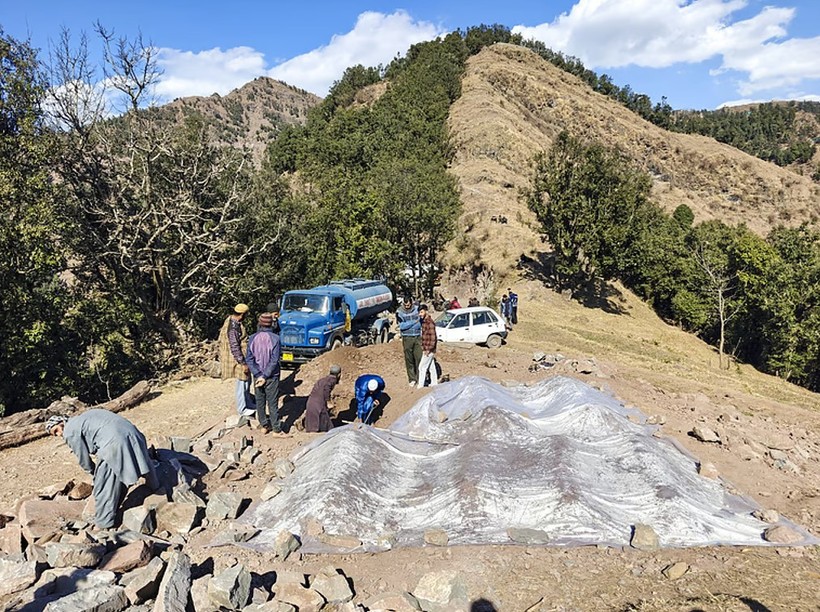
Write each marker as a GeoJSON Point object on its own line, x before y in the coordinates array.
{"type": "Point", "coordinates": [268, 394]}
{"type": "Point", "coordinates": [412, 356]}
{"type": "Point", "coordinates": [514, 315]}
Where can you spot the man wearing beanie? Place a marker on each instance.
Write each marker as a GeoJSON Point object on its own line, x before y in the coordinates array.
{"type": "Point", "coordinates": [263, 360]}
{"type": "Point", "coordinates": [233, 341]}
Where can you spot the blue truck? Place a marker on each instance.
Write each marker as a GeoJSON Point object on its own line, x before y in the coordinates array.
{"type": "Point", "coordinates": [351, 311]}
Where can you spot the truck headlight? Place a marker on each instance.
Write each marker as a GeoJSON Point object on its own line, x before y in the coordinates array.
{"type": "Point", "coordinates": [314, 340]}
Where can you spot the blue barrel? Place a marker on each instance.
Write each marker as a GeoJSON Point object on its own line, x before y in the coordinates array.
{"type": "Point", "coordinates": [365, 298]}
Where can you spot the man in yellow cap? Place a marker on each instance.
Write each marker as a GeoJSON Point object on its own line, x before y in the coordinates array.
{"type": "Point", "coordinates": [233, 342]}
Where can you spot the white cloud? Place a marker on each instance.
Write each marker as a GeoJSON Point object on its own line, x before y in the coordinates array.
{"type": "Point", "coordinates": [375, 39]}
{"type": "Point", "coordinates": [186, 73]}
{"type": "Point", "coordinates": [660, 33]}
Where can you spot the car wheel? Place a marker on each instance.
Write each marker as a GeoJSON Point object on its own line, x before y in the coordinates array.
{"type": "Point", "coordinates": [383, 336]}
{"type": "Point", "coordinates": [337, 343]}
{"type": "Point", "coordinates": [494, 341]}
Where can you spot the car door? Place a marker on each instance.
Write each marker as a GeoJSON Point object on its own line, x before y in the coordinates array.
{"type": "Point", "coordinates": [459, 328]}
{"type": "Point", "coordinates": [482, 326]}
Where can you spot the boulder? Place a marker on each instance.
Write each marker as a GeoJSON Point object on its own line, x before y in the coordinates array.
{"type": "Point", "coordinates": [81, 490]}
{"type": "Point", "coordinates": [282, 467]}
{"type": "Point", "coordinates": [676, 570]}
{"type": "Point", "coordinates": [339, 541]}
{"type": "Point", "coordinates": [441, 591]}
{"type": "Point", "coordinates": [249, 454]}
{"type": "Point", "coordinates": [139, 519]}
{"type": "Point", "coordinates": [16, 575]}
{"type": "Point", "coordinates": [704, 434]}
{"type": "Point", "coordinates": [231, 588]}
{"type": "Point", "coordinates": [305, 600]}
{"type": "Point", "coordinates": [224, 504]}
{"type": "Point", "coordinates": [178, 517]}
{"type": "Point", "coordinates": [38, 517]}
{"type": "Point", "coordinates": [182, 494]}
{"type": "Point", "coordinates": [285, 544]}
{"type": "Point", "coordinates": [143, 584]}
{"type": "Point", "coordinates": [63, 554]}
{"type": "Point", "coordinates": [129, 557]}
{"type": "Point", "coordinates": [181, 444]}
{"type": "Point", "coordinates": [767, 516]}
{"type": "Point", "coordinates": [11, 539]}
{"type": "Point", "coordinates": [644, 538]}
{"type": "Point", "coordinates": [199, 595]}
{"type": "Point", "coordinates": [781, 534]}
{"type": "Point", "coordinates": [270, 606]}
{"type": "Point", "coordinates": [172, 595]}
{"type": "Point", "coordinates": [334, 588]}
{"type": "Point", "coordinates": [708, 470]}
{"type": "Point", "coordinates": [106, 598]}
{"type": "Point", "coordinates": [236, 420]}
{"type": "Point", "coordinates": [436, 537]}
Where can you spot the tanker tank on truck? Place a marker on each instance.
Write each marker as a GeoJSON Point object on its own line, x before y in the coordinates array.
{"type": "Point", "coordinates": [351, 311]}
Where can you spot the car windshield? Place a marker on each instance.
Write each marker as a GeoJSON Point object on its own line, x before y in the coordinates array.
{"type": "Point", "coordinates": [305, 302]}
{"type": "Point", "coordinates": [444, 319]}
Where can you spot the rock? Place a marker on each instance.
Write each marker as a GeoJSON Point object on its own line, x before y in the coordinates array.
{"type": "Point", "coordinates": [290, 577]}
{"type": "Point", "coordinates": [53, 491]}
{"type": "Point", "coordinates": [223, 504]}
{"type": "Point", "coordinates": [56, 583]}
{"type": "Point", "coordinates": [780, 534]}
{"type": "Point", "coordinates": [441, 591]}
{"type": "Point", "coordinates": [107, 598]}
{"type": "Point", "coordinates": [436, 537]}
{"type": "Point", "coordinates": [285, 544]}
{"type": "Point", "coordinates": [178, 517]}
{"type": "Point", "coordinates": [305, 600]}
{"type": "Point", "coordinates": [708, 470]}
{"type": "Point", "coordinates": [81, 490]}
{"type": "Point", "coordinates": [38, 517]}
{"type": "Point", "coordinates": [401, 602]}
{"type": "Point", "coordinates": [704, 434]}
{"type": "Point", "coordinates": [524, 535]}
{"type": "Point", "coordinates": [656, 419]}
{"type": "Point", "coordinates": [675, 571]}
{"type": "Point", "coordinates": [11, 539]}
{"type": "Point", "coordinates": [777, 455]}
{"type": "Point", "coordinates": [282, 467]}
{"type": "Point", "coordinates": [259, 595]}
{"type": "Point", "coordinates": [334, 588]}
{"type": "Point", "coordinates": [182, 494]}
{"type": "Point", "coordinates": [129, 557]}
{"type": "Point", "coordinates": [236, 420]}
{"type": "Point", "coordinates": [538, 356]}
{"type": "Point", "coordinates": [181, 444]}
{"type": "Point", "coordinates": [249, 454]}
{"type": "Point", "coordinates": [339, 541]}
{"type": "Point", "coordinates": [60, 554]}
{"type": "Point", "coordinates": [644, 538]}
{"type": "Point", "coordinates": [231, 588]}
{"type": "Point", "coordinates": [172, 595]}
{"type": "Point", "coordinates": [199, 595]}
{"type": "Point", "coordinates": [16, 575]}
{"type": "Point", "coordinates": [271, 490]}
{"type": "Point", "coordinates": [270, 606]}
{"type": "Point", "coordinates": [143, 584]}
{"type": "Point", "coordinates": [767, 515]}
{"type": "Point", "coordinates": [440, 416]}
{"type": "Point", "coordinates": [140, 520]}
{"type": "Point", "coordinates": [585, 366]}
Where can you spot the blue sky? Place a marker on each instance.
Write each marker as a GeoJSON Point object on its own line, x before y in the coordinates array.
{"type": "Point", "coordinates": [697, 53]}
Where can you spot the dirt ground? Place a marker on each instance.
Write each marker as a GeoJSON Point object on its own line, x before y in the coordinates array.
{"type": "Point", "coordinates": [668, 375]}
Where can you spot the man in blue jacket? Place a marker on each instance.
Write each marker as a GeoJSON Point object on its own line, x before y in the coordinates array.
{"type": "Point", "coordinates": [263, 360]}
{"type": "Point", "coordinates": [410, 327]}
{"type": "Point", "coordinates": [368, 389]}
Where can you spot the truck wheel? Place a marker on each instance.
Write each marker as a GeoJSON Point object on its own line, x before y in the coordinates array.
{"type": "Point", "coordinates": [382, 336]}
{"type": "Point", "coordinates": [337, 343]}
{"type": "Point", "coordinates": [494, 341]}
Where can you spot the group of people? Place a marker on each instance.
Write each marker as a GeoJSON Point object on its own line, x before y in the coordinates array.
{"type": "Point", "coordinates": [509, 307]}
{"type": "Point", "coordinates": [419, 342]}
{"type": "Point", "coordinates": [368, 389]}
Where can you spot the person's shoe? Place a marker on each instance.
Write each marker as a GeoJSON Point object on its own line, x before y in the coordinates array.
{"type": "Point", "coordinates": [248, 412]}
{"type": "Point", "coordinates": [280, 434]}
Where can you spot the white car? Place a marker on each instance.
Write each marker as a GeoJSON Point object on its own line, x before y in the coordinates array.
{"type": "Point", "coordinates": [476, 325]}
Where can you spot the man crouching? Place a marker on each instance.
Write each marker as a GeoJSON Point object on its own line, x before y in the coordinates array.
{"type": "Point", "coordinates": [121, 457]}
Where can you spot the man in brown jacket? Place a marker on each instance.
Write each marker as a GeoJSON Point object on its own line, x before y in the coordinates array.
{"type": "Point", "coordinates": [233, 342]}
{"type": "Point", "coordinates": [429, 341]}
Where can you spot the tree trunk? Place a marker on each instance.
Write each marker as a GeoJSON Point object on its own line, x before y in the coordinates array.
{"type": "Point", "coordinates": [27, 426]}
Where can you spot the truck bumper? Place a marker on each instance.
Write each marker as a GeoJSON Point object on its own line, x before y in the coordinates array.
{"type": "Point", "coordinates": [297, 355]}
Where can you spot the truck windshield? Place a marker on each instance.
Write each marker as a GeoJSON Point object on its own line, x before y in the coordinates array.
{"type": "Point", "coordinates": [305, 303]}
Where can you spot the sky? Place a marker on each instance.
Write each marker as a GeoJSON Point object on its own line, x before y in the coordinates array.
{"type": "Point", "coordinates": [697, 53]}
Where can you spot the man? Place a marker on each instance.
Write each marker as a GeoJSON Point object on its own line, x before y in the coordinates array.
{"type": "Point", "coordinates": [273, 308]}
{"type": "Point", "coordinates": [454, 304]}
{"type": "Point", "coordinates": [505, 309]}
{"type": "Point", "coordinates": [410, 328]}
{"type": "Point", "coordinates": [232, 345]}
{"type": "Point", "coordinates": [429, 341]}
{"type": "Point", "coordinates": [368, 388]}
{"type": "Point", "coordinates": [263, 355]}
{"type": "Point", "coordinates": [121, 457]}
{"type": "Point", "coordinates": [513, 307]}
{"type": "Point", "coordinates": [319, 404]}
{"type": "Point", "coordinates": [473, 302]}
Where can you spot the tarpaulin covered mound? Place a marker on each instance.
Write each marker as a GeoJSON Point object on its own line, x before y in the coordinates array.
{"type": "Point", "coordinates": [487, 464]}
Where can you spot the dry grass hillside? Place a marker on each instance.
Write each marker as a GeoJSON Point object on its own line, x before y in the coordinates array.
{"type": "Point", "coordinates": [514, 104]}
{"type": "Point", "coordinates": [250, 116]}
